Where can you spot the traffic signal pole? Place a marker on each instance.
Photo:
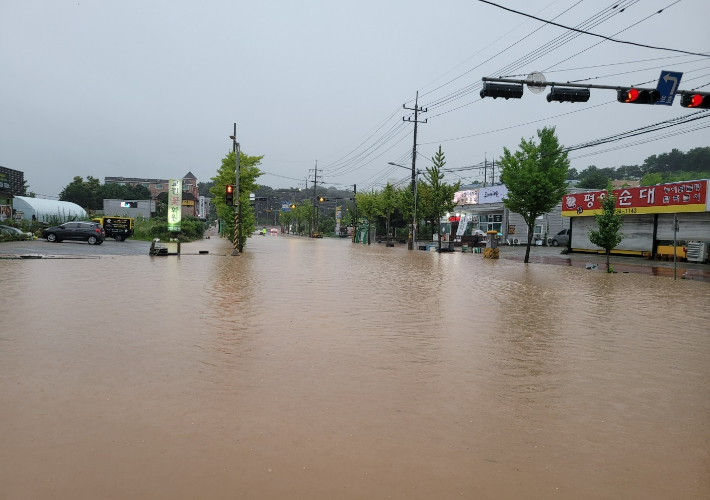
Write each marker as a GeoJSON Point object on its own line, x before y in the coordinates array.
{"type": "Point", "coordinates": [238, 206]}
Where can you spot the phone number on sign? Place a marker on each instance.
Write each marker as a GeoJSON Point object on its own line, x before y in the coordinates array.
{"type": "Point", "coordinates": [626, 210]}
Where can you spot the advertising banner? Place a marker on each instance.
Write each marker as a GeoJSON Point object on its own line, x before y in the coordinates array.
{"type": "Point", "coordinates": [468, 197]}
{"type": "Point", "coordinates": [174, 204]}
{"type": "Point", "coordinates": [492, 194]}
{"type": "Point", "coordinates": [689, 196]}
{"type": "Point", "coordinates": [463, 222]}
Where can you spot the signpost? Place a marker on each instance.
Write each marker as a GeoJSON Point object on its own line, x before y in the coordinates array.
{"type": "Point", "coordinates": [668, 86]}
{"type": "Point", "coordinates": [174, 205]}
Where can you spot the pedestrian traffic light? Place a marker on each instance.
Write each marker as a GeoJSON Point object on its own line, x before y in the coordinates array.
{"type": "Point", "coordinates": [507, 91]}
{"type": "Point", "coordinates": [638, 96]}
{"type": "Point", "coordinates": [700, 100]}
{"type": "Point", "coordinates": [560, 94]}
{"type": "Point", "coordinates": [229, 195]}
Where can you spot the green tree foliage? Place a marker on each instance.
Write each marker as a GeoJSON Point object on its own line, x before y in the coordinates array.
{"type": "Point", "coordinates": [651, 179]}
{"type": "Point", "coordinates": [536, 178]}
{"type": "Point", "coordinates": [440, 194]}
{"type": "Point", "coordinates": [203, 188]}
{"type": "Point", "coordinates": [248, 174]}
{"type": "Point", "coordinates": [369, 206]}
{"type": "Point", "coordinates": [90, 193]}
{"type": "Point", "coordinates": [593, 178]}
{"type": "Point", "coordinates": [390, 201]}
{"type": "Point", "coordinates": [607, 235]}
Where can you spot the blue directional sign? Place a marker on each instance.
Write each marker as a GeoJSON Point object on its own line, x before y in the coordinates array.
{"type": "Point", "coordinates": [668, 86]}
{"type": "Point", "coordinates": [285, 206]}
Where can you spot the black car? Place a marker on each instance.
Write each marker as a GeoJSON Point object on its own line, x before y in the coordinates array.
{"type": "Point", "coordinates": [87, 231]}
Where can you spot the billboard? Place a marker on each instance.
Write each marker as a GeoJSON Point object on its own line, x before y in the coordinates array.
{"type": "Point", "coordinates": [174, 204]}
{"type": "Point", "coordinates": [467, 197]}
{"type": "Point", "coordinates": [691, 196]}
{"type": "Point", "coordinates": [492, 194]}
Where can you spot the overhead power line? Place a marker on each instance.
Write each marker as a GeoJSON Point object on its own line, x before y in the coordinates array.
{"type": "Point", "coordinates": [593, 34]}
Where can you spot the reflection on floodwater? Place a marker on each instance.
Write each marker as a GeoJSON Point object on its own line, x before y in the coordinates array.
{"type": "Point", "coordinates": [320, 369]}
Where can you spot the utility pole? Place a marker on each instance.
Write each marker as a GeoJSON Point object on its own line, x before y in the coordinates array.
{"type": "Point", "coordinates": [417, 110]}
{"type": "Point", "coordinates": [485, 168]}
{"type": "Point", "coordinates": [493, 172]}
{"type": "Point", "coordinates": [315, 201]}
{"type": "Point", "coordinates": [238, 208]}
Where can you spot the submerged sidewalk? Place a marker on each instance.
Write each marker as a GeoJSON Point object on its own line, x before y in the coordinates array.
{"type": "Point", "coordinates": [620, 263]}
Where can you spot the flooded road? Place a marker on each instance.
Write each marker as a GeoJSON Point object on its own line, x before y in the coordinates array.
{"type": "Point", "coordinates": [322, 369]}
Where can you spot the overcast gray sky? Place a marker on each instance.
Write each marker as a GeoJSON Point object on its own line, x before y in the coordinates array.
{"type": "Point", "coordinates": [152, 88]}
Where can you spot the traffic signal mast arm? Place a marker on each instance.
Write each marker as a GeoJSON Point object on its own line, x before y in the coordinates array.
{"type": "Point", "coordinates": [508, 88]}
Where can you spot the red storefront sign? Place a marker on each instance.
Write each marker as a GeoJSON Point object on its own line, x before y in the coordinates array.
{"type": "Point", "coordinates": [691, 196]}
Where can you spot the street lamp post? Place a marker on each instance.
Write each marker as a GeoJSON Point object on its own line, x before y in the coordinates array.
{"type": "Point", "coordinates": [413, 225]}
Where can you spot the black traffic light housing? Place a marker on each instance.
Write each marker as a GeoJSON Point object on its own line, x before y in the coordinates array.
{"type": "Point", "coordinates": [321, 199]}
{"type": "Point", "coordinates": [699, 100]}
{"type": "Point", "coordinates": [229, 195]}
{"type": "Point", "coordinates": [638, 96]}
{"type": "Point", "coordinates": [561, 94]}
{"type": "Point", "coordinates": [505, 90]}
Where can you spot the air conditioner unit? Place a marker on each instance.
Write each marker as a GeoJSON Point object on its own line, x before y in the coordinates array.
{"type": "Point", "coordinates": [697, 251]}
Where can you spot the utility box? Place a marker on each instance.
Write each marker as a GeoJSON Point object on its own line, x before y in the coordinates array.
{"type": "Point", "coordinates": [696, 251]}
{"type": "Point", "coordinates": [491, 239]}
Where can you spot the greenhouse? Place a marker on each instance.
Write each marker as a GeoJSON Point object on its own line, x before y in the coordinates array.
{"type": "Point", "coordinates": [42, 210]}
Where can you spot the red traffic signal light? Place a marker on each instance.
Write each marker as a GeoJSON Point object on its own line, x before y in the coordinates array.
{"type": "Point", "coordinates": [638, 96]}
{"type": "Point", "coordinates": [229, 192]}
{"type": "Point", "coordinates": [700, 100]}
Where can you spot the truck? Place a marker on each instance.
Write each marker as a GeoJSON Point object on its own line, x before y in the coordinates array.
{"type": "Point", "coordinates": [118, 228]}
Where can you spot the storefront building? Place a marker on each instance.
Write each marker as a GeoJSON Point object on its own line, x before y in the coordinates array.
{"type": "Point", "coordinates": [483, 209]}
{"type": "Point", "coordinates": [648, 213]}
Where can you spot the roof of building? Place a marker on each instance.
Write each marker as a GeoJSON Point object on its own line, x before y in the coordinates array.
{"type": "Point", "coordinates": [189, 175]}
{"type": "Point", "coordinates": [135, 179]}
{"type": "Point", "coordinates": [187, 195]}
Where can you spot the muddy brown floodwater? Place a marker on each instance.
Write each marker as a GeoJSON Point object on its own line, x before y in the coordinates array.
{"type": "Point", "coordinates": [308, 369]}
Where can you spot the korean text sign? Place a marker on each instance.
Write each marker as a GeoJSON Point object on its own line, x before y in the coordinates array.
{"type": "Point", "coordinates": [174, 204]}
{"type": "Point", "coordinates": [690, 196]}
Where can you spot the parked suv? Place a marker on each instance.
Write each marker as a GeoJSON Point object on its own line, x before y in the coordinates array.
{"type": "Point", "coordinates": [91, 232]}
{"type": "Point", "coordinates": [561, 238]}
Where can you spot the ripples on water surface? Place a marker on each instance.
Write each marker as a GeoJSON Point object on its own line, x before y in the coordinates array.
{"type": "Point", "coordinates": [322, 369]}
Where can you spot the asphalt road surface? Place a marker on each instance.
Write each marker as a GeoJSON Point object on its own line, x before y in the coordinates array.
{"type": "Point", "coordinates": [74, 248]}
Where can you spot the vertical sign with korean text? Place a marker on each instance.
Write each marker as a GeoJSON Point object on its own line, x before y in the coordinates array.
{"type": "Point", "coordinates": [174, 204]}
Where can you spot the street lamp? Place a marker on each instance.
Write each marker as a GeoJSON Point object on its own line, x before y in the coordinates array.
{"type": "Point", "coordinates": [413, 225]}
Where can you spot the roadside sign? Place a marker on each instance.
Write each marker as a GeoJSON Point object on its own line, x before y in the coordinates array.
{"type": "Point", "coordinates": [285, 206]}
{"type": "Point", "coordinates": [668, 86]}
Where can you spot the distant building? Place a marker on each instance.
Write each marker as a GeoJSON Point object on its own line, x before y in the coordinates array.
{"type": "Point", "coordinates": [156, 186]}
{"type": "Point", "coordinates": [130, 208]}
{"type": "Point", "coordinates": [620, 183]}
{"type": "Point", "coordinates": [12, 183]}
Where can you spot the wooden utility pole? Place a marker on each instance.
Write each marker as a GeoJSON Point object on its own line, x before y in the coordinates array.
{"type": "Point", "coordinates": [417, 110]}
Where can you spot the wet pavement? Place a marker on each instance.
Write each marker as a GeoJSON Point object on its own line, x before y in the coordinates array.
{"type": "Point", "coordinates": [324, 369]}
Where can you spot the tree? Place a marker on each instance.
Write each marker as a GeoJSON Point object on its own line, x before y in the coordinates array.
{"type": "Point", "coordinates": [609, 223]}
{"type": "Point", "coordinates": [389, 204]}
{"type": "Point", "coordinates": [651, 179]}
{"type": "Point", "coordinates": [369, 207]}
{"type": "Point", "coordinates": [592, 178]}
{"type": "Point", "coordinates": [536, 178]}
{"type": "Point", "coordinates": [248, 173]}
{"type": "Point", "coordinates": [442, 193]}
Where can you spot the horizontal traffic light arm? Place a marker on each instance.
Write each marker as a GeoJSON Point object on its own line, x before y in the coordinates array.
{"type": "Point", "coordinates": [565, 84]}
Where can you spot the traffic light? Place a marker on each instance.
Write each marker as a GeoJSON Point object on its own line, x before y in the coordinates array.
{"type": "Point", "coordinates": [229, 189]}
{"type": "Point", "coordinates": [321, 199]}
{"type": "Point", "coordinates": [568, 95]}
{"type": "Point", "coordinates": [638, 96]}
{"type": "Point", "coordinates": [507, 91]}
{"type": "Point", "coordinates": [700, 100]}
{"type": "Point", "coordinates": [292, 205]}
